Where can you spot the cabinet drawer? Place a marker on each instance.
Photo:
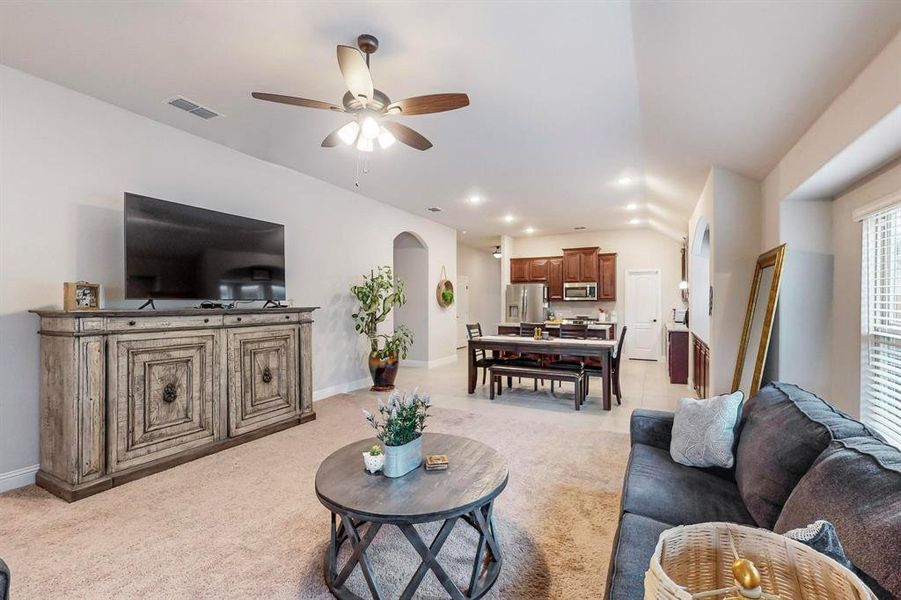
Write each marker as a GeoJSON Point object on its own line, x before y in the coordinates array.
{"type": "Point", "coordinates": [256, 319]}
{"type": "Point", "coordinates": [149, 322]}
{"type": "Point", "coordinates": [164, 395]}
{"type": "Point", "coordinates": [262, 377]}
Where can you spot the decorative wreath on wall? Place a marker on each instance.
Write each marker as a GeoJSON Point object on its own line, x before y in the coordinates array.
{"type": "Point", "coordinates": [445, 291]}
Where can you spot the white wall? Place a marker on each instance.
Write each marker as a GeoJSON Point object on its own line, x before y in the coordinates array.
{"type": "Point", "coordinates": [699, 267]}
{"type": "Point", "coordinates": [735, 245]}
{"type": "Point", "coordinates": [847, 242]}
{"type": "Point", "coordinates": [66, 161]}
{"type": "Point", "coordinates": [484, 272]}
{"type": "Point", "coordinates": [411, 265]}
{"type": "Point", "coordinates": [872, 95]}
{"type": "Point", "coordinates": [803, 335]}
{"type": "Point", "coordinates": [639, 248]}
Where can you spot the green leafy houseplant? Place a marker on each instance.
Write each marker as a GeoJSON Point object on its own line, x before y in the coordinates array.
{"type": "Point", "coordinates": [379, 293]}
{"type": "Point", "coordinates": [402, 418]}
{"type": "Point", "coordinates": [447, 296]}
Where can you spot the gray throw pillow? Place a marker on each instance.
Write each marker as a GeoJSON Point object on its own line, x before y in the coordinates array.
{"type": "Point", "coordinates": [704, 431]}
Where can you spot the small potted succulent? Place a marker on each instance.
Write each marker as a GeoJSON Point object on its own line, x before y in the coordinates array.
{"type": "Point", "coordinates": [374, 459]}
{"type": "Point", "coordinates": [399, 428]}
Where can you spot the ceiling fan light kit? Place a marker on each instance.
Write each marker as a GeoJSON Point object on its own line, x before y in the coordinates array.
{"type": "Point", "coordinates": [371, 107]}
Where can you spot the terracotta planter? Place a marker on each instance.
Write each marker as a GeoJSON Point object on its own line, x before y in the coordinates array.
{"type": "Point", "coordinates": [384, 372]}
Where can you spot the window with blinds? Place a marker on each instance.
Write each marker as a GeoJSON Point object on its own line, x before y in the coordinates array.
{"type": "Point", "coordinates": [881, 321]}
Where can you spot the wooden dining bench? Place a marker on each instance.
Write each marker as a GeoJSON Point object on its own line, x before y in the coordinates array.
{"type": "Point", "coordinates": [497, 372]}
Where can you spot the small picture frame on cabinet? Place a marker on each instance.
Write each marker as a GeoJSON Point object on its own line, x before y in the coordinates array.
{"type": "Point", "coordinates": [81, 295]}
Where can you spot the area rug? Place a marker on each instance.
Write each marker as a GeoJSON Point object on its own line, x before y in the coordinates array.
{"type": "Point", "coordinates": [245, 523]}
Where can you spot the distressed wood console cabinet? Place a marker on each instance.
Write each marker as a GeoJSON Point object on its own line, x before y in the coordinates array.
{"type": "Point", "coordinates": [127, 393]}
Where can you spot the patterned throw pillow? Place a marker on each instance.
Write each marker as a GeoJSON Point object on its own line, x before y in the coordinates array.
{"type": "Point", "coordinates": [704, 431]}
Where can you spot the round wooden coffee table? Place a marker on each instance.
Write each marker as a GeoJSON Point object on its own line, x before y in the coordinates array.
{"type": "Point", "coordinates": [362, 503]}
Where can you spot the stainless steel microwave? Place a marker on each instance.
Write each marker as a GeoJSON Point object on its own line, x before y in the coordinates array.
{"type": "Point", "coordinates": [580, 291]}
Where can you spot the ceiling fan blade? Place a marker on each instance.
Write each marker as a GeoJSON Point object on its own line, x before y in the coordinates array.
{"type": "Point", "coordinates": [406, 135]}
{"type": "Point", "coordinates": [356, 72]}
{"type": "Point", "coordinates": [423, 105]}
{"type": "Point", "coordinates": [332, 139]}
{"type": "Point", "coordinates": [293, 100]}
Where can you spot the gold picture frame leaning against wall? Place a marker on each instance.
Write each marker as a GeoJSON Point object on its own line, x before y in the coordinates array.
{"type": "Point", "coordinates": [81, 295]}
{"type": "Point", "coordinates": [758, 326]}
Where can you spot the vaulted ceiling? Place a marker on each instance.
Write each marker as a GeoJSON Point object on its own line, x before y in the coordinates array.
{"type": "Point", "coordinates": [567, 99]}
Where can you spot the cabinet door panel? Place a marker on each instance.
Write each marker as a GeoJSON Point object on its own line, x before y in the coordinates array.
{"type": "Point", "coordinates": [538, 270]}
{"type": "Point", "coordinates": [572, 265]}
{"type": "Point", "coordinates": [262, 377]}
{"type": "Point", "coordinates": [519, 270]}
{"type": "Point", "coordinates": [165, 395]}
{"type": "Point", "coordinates": [589, 265]}
{"type": "Point", "coordinates": [555, 278]}
{"type": "Point", "coordinates": [607, 277]}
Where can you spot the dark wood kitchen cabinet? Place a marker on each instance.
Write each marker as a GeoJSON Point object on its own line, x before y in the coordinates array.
{"type": "Point", "coordinates": [538, 270]}
{"type": "Point", "coordinates": [532, 270]}
{"type": "Point", "coordinates": [580, 264]}
{"type": "Point", "coordinates": [555, 278]}
{"type": "Point", "coordinates": [607, 276]}
{"type": "Point", "coordinates": [519, 270]}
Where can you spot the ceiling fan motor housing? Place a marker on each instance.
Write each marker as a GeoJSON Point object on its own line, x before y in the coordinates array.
{"type": "Point", "coordinates": [368, 43]}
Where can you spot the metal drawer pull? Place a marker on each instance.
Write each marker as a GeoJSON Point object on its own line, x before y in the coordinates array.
{"type": "Point", "coordinates": [239, 319]}
{"type": "Point", "coordinates": [267, 375]}
{"type": "Point", "coordinates": [170, 393]}
{"type": "Point", "coordinates": [132, 323]}
{"type": "Point", "coordinates": [206, 320]}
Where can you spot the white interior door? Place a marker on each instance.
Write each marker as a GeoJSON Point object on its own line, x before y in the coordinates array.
{"type": "Point", "coordinates": [462, 294]}
{"type": "Point", "coordinates": [643, 314]}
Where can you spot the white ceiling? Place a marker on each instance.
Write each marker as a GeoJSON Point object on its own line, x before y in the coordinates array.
{"type": "Point", "coordinates": [566, 98]}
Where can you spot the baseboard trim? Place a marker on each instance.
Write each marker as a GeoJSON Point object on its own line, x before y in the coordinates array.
{"type": "Point", "coordinates": [341, 388]}
{"type": "Point", "coordinates": [429, 364]}
{"type": "Point", "coordinates": [18, 478]}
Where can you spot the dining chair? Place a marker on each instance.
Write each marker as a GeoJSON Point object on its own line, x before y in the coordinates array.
{"type": "Point", "coordinates": [569, 331]}
{"type": "Point", "coordinates": [593, 369]}
{"type": "Point", "coordinates": [539, 360]}
{"type": "Point", "coordinates": [483, 361]}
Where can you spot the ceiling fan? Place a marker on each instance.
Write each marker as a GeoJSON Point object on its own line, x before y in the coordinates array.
{"type": "Point", "coordinates": [370, 106]}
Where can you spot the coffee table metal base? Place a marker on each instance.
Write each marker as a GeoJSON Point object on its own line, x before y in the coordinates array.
{"type": "Point", "coordinates": [360, 533]}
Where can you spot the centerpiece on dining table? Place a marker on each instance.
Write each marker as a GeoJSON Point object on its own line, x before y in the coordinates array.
{"type": "Point", "coordinates": [399, 427]}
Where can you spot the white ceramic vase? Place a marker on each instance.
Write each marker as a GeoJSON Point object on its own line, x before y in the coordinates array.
{"type": "Point", "coordinates": [375, 463]}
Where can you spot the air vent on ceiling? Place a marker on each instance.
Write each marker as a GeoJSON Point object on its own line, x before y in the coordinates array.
{"type": "Point", "coordinates": [579, 227]}
{"type": "Point", "coordinates": [192, 107]}
{"type": "Point", "coordinates": [435, 209]}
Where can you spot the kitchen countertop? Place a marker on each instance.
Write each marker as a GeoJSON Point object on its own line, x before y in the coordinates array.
{"type": "Point", "coordinates": [675, 327]}
{"type": "Point", "coordinates": [593, 325]}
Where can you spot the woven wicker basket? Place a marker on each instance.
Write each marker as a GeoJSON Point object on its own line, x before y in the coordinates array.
{"type": "Point", "coordinates": [693, 559]}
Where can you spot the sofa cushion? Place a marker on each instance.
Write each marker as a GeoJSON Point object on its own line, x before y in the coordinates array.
{"type": "Point", "coordinates": [785, 429]}
{"type": "Point", "coordinates": [856, 485]}
{"type": "Point", "coordinates": [632, 551]}
{"type": "Point", "coordinates": [659, 488]}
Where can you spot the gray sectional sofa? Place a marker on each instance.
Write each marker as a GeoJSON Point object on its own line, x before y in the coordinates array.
{"type": "Point", "coordinates": [797, 459]}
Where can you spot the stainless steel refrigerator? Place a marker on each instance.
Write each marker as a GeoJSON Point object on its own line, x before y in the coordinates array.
{"type": "Point", "coordinates": [526, 303]}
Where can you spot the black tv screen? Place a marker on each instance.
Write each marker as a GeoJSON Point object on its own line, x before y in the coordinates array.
{"type": "Point", "coordinates": [178, 251]}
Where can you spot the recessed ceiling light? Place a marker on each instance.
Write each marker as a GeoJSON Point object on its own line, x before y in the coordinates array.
{"type": "Point", "coordinates": [434, 209]}
{"type": "Point", "coordinates": [508, 218]}
{"type": "Point", "coordinates": [579, 228]}
{"type": "Point", "coordinates": [463, 232]}
{"type": "Point", "coordinates": [624, 180]}
{"type": "Point", "coordinates": [634, 221]}
{"type": "Point", "coordinates": [475, 199]}
{"type": "Point", "coordinates": [530, 230]}
{"type": "Point", "coordinates": [631, 206]}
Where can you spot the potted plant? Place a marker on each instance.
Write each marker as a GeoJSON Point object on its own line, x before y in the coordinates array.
{"type": "Point", "coordinates": [374, 459]}
{"type": "Point", "coordinates": [379, 293]}
{"type": "Point", "coordinates": [400, 427]}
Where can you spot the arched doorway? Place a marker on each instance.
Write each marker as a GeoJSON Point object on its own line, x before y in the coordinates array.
{"type": "Point", "coordinates": [699, 274]}
{"type": "Point", "coordinates": [411, 264]}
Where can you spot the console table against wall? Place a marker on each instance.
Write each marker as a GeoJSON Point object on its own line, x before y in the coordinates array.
{"type": "Point", "coordinates": [127, 393]}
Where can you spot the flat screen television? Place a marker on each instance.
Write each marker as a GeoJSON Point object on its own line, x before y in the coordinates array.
{"type": "Point", "coordinates": [175, 251]}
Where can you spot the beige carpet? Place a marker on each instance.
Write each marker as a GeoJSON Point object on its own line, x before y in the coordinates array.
{"type": "Point", "coordinates": [245, 523]}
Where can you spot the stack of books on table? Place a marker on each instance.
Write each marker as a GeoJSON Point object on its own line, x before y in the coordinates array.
{"type": "Point", "coordinates": [436, 462]}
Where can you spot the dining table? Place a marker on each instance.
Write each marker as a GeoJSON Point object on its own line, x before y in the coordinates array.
{"type": "Point", "coordinates": [587, 348]}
